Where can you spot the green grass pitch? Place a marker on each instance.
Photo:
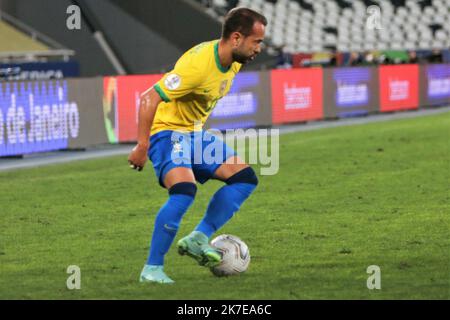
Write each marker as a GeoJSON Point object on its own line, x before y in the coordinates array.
{"type": "Point", "coordinates": [344, 198]}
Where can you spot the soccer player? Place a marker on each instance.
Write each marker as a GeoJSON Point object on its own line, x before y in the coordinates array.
{"type": "Point", "coordinates": [166, 133]}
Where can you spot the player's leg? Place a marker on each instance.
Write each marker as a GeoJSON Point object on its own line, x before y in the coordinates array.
{"type": "Point", "coordinates": [240, 182]}
{"type": "Point", "coordinates": [196, 245]}
{"type": "Point", "coordinates": [177, 177]}
{"type": "Point", "coordinates": [181, 186]}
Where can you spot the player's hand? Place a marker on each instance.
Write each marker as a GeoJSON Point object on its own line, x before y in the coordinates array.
{"type": "Point", "coordinates": [138, 157]}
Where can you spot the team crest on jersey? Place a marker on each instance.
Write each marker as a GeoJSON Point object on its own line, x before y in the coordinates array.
{"type": "Point", "coordinates": [223, 86]}
{"type": "Point", "coordinates": [173, 81]}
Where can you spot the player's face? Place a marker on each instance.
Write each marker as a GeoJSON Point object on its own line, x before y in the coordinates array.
{"type": "Point", "coordinates": [247, 48]}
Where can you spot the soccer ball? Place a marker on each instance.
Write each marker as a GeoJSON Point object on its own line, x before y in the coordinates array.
{"type": "Point", "coordinates": [235, 255]}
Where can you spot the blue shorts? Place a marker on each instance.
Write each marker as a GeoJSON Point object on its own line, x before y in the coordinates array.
{"type": "Point", "coordinates": [200, 151]}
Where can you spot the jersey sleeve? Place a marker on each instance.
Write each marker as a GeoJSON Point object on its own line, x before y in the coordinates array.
{"type": "Point", "coordinates": [186, 76]}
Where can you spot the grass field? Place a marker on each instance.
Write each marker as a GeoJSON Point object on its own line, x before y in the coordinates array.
{"type": "Point", "coordinates": [344, 198]}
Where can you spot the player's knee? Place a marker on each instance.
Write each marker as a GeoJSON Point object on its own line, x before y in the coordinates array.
{"type": "Point", "coordinates": [246, 175]}
{"type": "Point", "coordinates": [181, 197]}
{"type": "Point", "coordinates": [184, 188]}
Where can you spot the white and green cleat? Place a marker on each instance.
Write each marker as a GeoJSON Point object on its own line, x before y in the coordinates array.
{"type": "Point", "coordinates": [154, 274]}
{"type": "Point", "coordinates": [196, 246]}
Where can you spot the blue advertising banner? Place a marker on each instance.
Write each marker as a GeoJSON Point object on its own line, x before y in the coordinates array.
{"type": "Point", "coordinates": [246, 105]}
{"type": "Point", "coordinates": [350, 92]}
{"type": "Point", "coordinates": [39, 71]}
{"type": "Point", "coordinates": [50, 115]}
{"type": "Point", "coordinates": [434, 84]}
{"type": "Point", "coordinates": [35, 117]}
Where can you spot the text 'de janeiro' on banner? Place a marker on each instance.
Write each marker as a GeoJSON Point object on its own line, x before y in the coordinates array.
{"type": "Point", "coordinates": [50, 115]}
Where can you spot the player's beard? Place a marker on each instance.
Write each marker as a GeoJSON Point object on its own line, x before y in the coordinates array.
{"type": "Point", "coordinates": [241, 58]}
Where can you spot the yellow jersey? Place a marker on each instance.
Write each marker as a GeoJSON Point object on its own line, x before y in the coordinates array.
{"type": "Point", "coordinates": [191, 90]}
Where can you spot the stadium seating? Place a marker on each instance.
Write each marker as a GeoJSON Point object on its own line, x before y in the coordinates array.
{"type": "Point", "coordinates": [327, 25]}
{"type": "Point", "coordinates": [13, 40]}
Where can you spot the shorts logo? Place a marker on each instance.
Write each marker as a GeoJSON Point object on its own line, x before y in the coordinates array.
{"type": "Point", "coordinates": [177, 147]}
{"type": "Point", "coordinates": [173, 81]}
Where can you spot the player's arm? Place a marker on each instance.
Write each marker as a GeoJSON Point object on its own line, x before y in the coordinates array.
{"type": "Point", "coordinates": [183, 79]}
{"type": "Point", "coordinates": [147, 109]}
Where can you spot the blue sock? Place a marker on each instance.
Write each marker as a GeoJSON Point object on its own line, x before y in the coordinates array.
{"type": "Point", "coordinates": [168, 220]}
{"type": "Point", "coordinates": [227, 200]}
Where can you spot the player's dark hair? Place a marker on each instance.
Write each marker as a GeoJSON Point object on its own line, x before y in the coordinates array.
{"type": "Point", "coordinates": [241, 20]}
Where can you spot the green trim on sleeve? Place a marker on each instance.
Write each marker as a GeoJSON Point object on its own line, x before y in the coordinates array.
{"type": "Point", "coordinates": [216, 55]}
{"type": "Point", "coordinates": [161, 93]}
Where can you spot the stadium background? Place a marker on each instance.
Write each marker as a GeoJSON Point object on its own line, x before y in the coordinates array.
{"type": "Point", "coordinates": [65, 89]}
